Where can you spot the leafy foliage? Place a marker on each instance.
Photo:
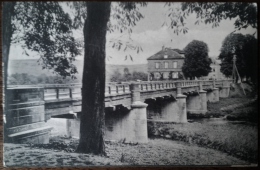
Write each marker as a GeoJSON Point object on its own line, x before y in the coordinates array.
{"type": "Point", "coordinates": [117, 76]}
{"type": "Point", "coordinates": [213, 12]}
{"type": "Point", "coordinates": [177, 17]}
{"type": "Point", "coordinates": [28, 79]}
{"type": "Point", "coordinates": [196, 62]}
{"type": "Point", "coordinates": [45, 28]}
{"type": "Point", "coordinates": [123, 17]}
{"type": "Point", "coordinates": [244, 47]}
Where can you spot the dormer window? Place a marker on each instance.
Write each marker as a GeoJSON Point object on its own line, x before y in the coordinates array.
{"type": "Point", "coordinates": [165, 56]}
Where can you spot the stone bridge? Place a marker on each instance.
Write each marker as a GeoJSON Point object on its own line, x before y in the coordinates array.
{"type": "Point", "coordinates": [127, 107]}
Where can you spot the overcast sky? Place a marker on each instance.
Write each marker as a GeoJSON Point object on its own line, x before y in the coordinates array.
{"type": "Point", "coordinates": [151, 36]}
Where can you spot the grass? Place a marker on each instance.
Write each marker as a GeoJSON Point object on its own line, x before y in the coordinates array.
{"type": "Point", "coordinates": [214, 108]}
{"type": "Point", "coordinates": [239, 140]}
{"type": "Point", "coordinates": [155, 152]}
{"type": "Point", "coordinates": [235, 139]}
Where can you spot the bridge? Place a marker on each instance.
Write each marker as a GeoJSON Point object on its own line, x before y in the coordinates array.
{"type": "Point", "coordinates": [128, 106]}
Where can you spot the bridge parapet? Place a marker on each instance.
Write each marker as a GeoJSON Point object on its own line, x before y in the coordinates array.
{"type": "Point", "coordinates": [115, 89]}
{"type": "Point", "coordinates": [25, 116]}
{"type": "Point", "coordinates": [73, 91]}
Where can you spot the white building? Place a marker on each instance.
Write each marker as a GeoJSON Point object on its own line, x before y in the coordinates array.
{"type": "Point", "coordinates": [215, 70]}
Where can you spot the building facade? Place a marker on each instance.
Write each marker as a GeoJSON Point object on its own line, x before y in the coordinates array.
{"type": "Point", "coordinates": [215, 71]}
{"type": "Point", "coordinates": [166, 65]}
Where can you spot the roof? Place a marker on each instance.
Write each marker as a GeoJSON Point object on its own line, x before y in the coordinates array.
{"type": "Point", "coordinates": [171, 53]}
{"type": "Point", "coordinates": [179, 51]}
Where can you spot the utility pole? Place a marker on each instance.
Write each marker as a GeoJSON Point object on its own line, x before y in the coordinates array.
{"type": "Point", "coordinates": [234, 68]}
{"type": "Point", "coordinates": [235, 71]}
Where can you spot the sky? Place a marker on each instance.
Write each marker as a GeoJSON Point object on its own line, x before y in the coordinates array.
{"type": "Point", "coordinates": [151, 36]}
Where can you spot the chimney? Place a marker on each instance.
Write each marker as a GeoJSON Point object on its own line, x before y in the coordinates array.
{"type": "Point", "coordinates": [163, 48]}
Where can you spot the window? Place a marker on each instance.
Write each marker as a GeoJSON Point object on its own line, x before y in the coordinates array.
{"type": "Point", "coordinates": [165, 56]}
{"type": "Point", "coordinates": [165, 75]}
{"type": "Point", "coordinates": [157, 65]}
{"type": "Point", "coordinates": [175, 64]}
{"type": "Point", "coordinates": [175, 75]}
{"type": "Point", "coordinates": [157, 75]}
{"type": "Point", "coordinates": [166, 65]}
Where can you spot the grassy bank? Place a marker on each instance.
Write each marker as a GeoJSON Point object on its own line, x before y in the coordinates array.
{"type": "Point", "coordinates": [217, 108]}
{"type": "Point", "coordinates": [237, 140]}
{"type": "Point", "coordinates": [60, 153]}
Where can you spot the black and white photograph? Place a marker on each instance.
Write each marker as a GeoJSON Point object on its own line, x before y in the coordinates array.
{"type": "Point", "coordinates": [148, 84]}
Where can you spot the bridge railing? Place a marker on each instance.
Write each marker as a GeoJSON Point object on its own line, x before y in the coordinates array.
{"type": "Point", "coordinates": [155, 85]}
{"type": "Point", "coordinates": [207, 82]}
{"type": "Point", "coordinates": [159, 85]}
{"type": "Point", "coordinates": [114, 89]}
{"type": "Point", "coordinates": [219, 83]}
{"type": "Point", "coordinates": [56, 92]}
{"type": "Point", "coordinates": [72, 91]}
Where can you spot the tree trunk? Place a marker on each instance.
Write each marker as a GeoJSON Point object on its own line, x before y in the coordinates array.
{"type": "Point", "coordinates": [93, 88]}
{"type": "Point", "coordinates": [8, 12]}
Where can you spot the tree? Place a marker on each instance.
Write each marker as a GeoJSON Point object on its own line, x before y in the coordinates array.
{"type": "Point", "coordinates": [232, 45]}
{"type": "Point", "coordinates": [251, 58]}
{"type": "Point", "coordinates": [46, 29]}
{"type": "Point", "coordinates": [244, 47]}
{"type": "Point", "coordinates": [127, 74]}
{"type": "Point", "coordinates": [93, 85]}
{"type": "Point", "coordinates": [139, 76]}
{"type": "Point", "coordinates": [196, 62]}
{"type": "Point", "coordinates": [214, 12]}
{"type": "Point", "coordinates": [116, 76]}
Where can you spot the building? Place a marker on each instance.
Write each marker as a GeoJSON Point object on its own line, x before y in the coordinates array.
{"type": "Point", "coordinates": [166, 64]}
{"type": "Point", "coordinates": [215, 70]}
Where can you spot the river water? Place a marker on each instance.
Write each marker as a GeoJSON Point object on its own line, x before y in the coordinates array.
{"type": "Point", "coordinates": [220, 121]}
{"type": "Point", "coordinates": [60, 124]}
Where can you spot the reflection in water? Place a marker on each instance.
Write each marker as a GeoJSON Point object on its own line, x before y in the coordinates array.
{"type": "Point", "coordinates": [60, 125]}
{"type": "Point", "coordinates": [220, 120]}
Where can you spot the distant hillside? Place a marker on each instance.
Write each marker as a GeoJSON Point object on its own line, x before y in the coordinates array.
{"type": "Point", "coordinates": [32, 67]}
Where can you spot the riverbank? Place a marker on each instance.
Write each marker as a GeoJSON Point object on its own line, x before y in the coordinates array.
{"type": "Point", "coordinates": [60, 152]}
{"type": "Point", "coordinates": [230, 126]}
{"type": "Point", "coordinates": [237, 140]}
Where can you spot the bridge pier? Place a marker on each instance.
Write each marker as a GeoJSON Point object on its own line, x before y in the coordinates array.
{"type": "Point", "coordinates": [210, 95]}
{"type": "Point", "coordinates": [25, 117]}
{"type": "Point", "coordinates": [169, 109]}
{"type": "Point", "coordinates": [224, 91]}
{"type": "Point", "coordinates": [182, 108]}
{"type": "Point", "coordinates": [197, 104]}
{"type": "Point", "coordinates": [127, 125]}
{"type": "Point", "coordinates": [213, 96]}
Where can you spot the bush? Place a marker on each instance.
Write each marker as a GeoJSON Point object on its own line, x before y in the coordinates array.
{"type": "Point", "coordinates": [117, 76]}
{"type": "Point", "coordinates": [28, 79]}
